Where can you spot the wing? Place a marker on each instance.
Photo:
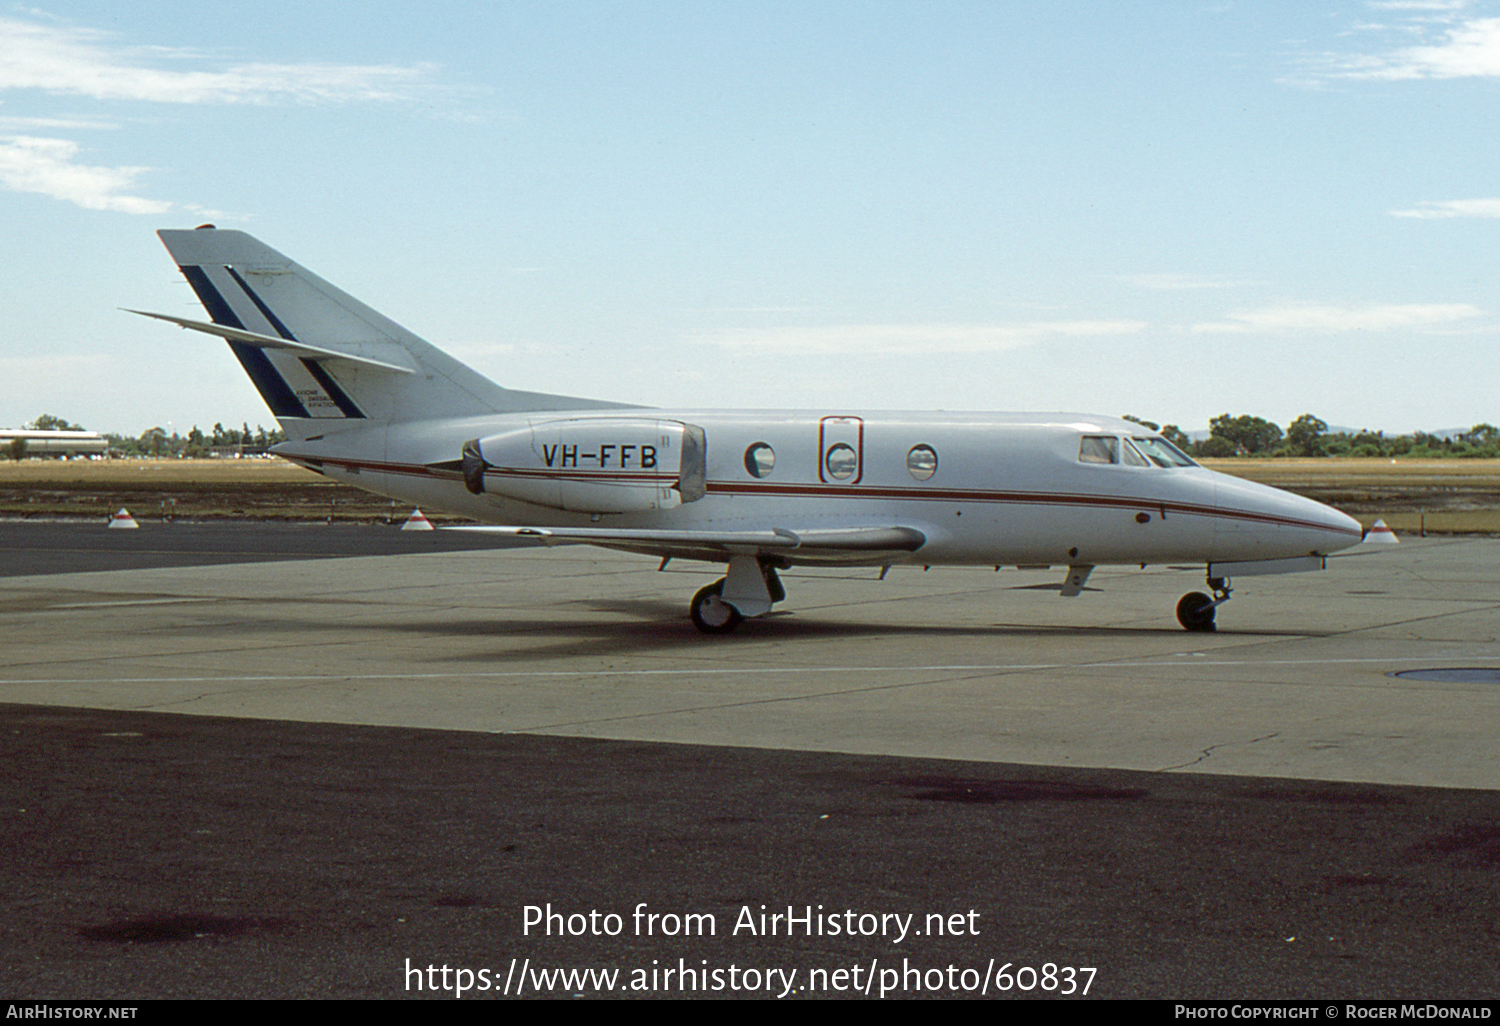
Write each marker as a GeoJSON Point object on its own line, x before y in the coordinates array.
{"type": "Point", "coordinates": [835, 545]}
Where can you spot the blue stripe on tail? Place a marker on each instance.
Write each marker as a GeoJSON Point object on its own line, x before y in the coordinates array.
{"type": "Point", "coordinates": [266, 378]}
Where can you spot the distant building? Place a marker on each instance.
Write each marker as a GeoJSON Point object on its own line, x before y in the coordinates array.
{"type": "Point", "coordinates": [56, 443]}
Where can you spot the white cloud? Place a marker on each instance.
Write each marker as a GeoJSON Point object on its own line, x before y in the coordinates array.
{"type": "Point", "coordinates": [46, 166]}
{"type": "Point", "coordinates": [1426, 39]}
{"type": "Point", "coordinates": [1469, 49]}
{"type": "Point", "coordinates": [1330, 319]}
{"type": "Point", "coordinates": [80, 62]}
{"type": "Point", "coordinates": [84, 62]}
{"type": "Point", "coordinates": [25, 124]}
{"type": "Point", "coordinates": [1453, 208]}
{"type": "Point", "coordinates": [902, 339]}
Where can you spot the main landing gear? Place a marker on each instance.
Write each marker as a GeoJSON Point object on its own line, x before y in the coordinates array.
{"type": "Point", "coordinates": [710, 613]}
{"type": "Point", "coordinates": [750, 588]}
{"type": "Point", "coordinates": [1195, 610]}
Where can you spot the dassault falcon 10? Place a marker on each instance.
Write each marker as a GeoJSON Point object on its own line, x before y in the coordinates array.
{"type": "Point", "coordinates": [364, 401]}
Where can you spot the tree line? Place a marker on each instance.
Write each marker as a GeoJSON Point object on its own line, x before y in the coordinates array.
{"type": "Point", "coordinates": [1244, 435]}
{"type": "Point", "coordinates": [195, 444]}
{"type": "Point", "coordinates": [1308, 435]}
{"type": "Point", "coordinates": [156, 441]}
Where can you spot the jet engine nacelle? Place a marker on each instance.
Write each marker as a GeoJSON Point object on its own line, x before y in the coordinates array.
{"type": "Point", "coordinates": [591, 465]}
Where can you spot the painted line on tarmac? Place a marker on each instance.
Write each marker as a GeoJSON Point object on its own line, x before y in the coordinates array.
{"type": "Point", "coordinates": [749, 670]}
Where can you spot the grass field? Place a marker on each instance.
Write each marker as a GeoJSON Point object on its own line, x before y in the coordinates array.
{"type": "Point", "coordinates": [1411, 496]}
{"type": "Point", "coordinates": [193, 489]}
{"type": "Point", "coordinates": [1444, 496]}
{"type": "Point", "coordinates": [1405, 475]}
{"type": "Point", "coordinates": [106, 474]}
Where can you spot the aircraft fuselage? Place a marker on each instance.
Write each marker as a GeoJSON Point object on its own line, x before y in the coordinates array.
{"type": "Point", "coordinates": [982, 488]}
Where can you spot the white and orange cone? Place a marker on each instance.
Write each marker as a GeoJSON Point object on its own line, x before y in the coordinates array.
{"type": "Point", "coordinates": [417, 522]}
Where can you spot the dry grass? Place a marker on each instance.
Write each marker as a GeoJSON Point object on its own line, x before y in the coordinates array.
{"type": "Point", "coordinates": [1406, 475]}
{"type": "Point", "coordinates": [1471, 521]}
{"type": "Point", "coordinates": [196, 489]}
{"type": "Point", "coordinates": [152, 473]}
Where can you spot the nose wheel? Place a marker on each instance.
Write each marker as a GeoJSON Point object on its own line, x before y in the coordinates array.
{"type": "Point", "coordinates": [1195, 610]}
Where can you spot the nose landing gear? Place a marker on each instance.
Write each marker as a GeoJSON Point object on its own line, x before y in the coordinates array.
{"type": "Point", "coordinates": [1195, 610]}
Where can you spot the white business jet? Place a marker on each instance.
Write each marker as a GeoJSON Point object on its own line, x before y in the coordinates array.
{"type": "Point", "coordinates": [364, 401]}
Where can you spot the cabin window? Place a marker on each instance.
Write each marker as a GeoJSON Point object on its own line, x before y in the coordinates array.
{"type": "Point", "coordinates": [1163, 453]}
{"type": "Point", "coordinates": [1099, 449]}
{"type": "Point", "coordinates": [922, 462]}
{"type": "Point", "coordinates": [841, 462]}
{"type": "Point", "coordinates": [760, 458]}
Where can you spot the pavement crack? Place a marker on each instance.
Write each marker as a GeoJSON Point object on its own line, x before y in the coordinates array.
{"type": "Point", "coordinates": [1210, 750]}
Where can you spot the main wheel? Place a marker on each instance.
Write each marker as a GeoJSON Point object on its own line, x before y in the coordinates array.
{"type": "Point", "coordinates": [710, 613]}
{"type": "Point", "coordinates": [1195, 611]}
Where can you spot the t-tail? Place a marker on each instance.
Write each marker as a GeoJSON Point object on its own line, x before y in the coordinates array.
{"type": "Point", "coordinates": [318, 356]}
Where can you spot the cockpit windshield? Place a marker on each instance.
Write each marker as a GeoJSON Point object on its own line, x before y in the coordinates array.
{"type": "Point", "coordinates": [1135, 451]}
{"type": "Point", "coordinates": [1162, 452]}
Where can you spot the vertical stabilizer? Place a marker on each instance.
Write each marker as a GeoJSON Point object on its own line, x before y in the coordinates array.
{"type": "Point", "coordinates": [319, 356]}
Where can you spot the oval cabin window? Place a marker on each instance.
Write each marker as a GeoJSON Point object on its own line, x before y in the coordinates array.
{"type": "Point", "coordinates": [922, 462]}
{"type": "Point", "coordinates": [760, 458]}
{"type": "Point", "coordinates": [841, 462]}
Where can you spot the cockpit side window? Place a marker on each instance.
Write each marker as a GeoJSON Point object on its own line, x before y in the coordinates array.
{"type": "Point", "coordinates": [1099, 449]}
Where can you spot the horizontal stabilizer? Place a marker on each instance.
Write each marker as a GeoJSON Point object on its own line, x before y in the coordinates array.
{"type": "Point", "coordinates": [260, 341]}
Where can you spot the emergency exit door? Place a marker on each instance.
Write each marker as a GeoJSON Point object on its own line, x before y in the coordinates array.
{"type": "Point", "coordinates": [841, 449]}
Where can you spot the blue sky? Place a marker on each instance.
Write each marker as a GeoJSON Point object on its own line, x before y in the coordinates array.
{"type": "Point", "coordinates": [1172, 210]}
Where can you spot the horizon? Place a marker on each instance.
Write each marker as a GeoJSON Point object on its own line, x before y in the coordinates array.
{"type": "Point", "coordinates": [1197, 207]}
{"type": "Point", "coordinates": [1196, 435]}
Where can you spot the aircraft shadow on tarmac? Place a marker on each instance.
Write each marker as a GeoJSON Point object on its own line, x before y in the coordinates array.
{"type": "Point", "coordinates": [660, 626]}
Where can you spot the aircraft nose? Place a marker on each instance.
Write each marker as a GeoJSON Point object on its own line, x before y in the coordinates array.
{"type": "Point", "coordinates": [1321, 528]}
{"type": "Point", "coordinates": [1318, 527]}
{"type": "Point", "coordinates": [1342, 529]}
{"type": "Point", "coordinates": [1261, 522]}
